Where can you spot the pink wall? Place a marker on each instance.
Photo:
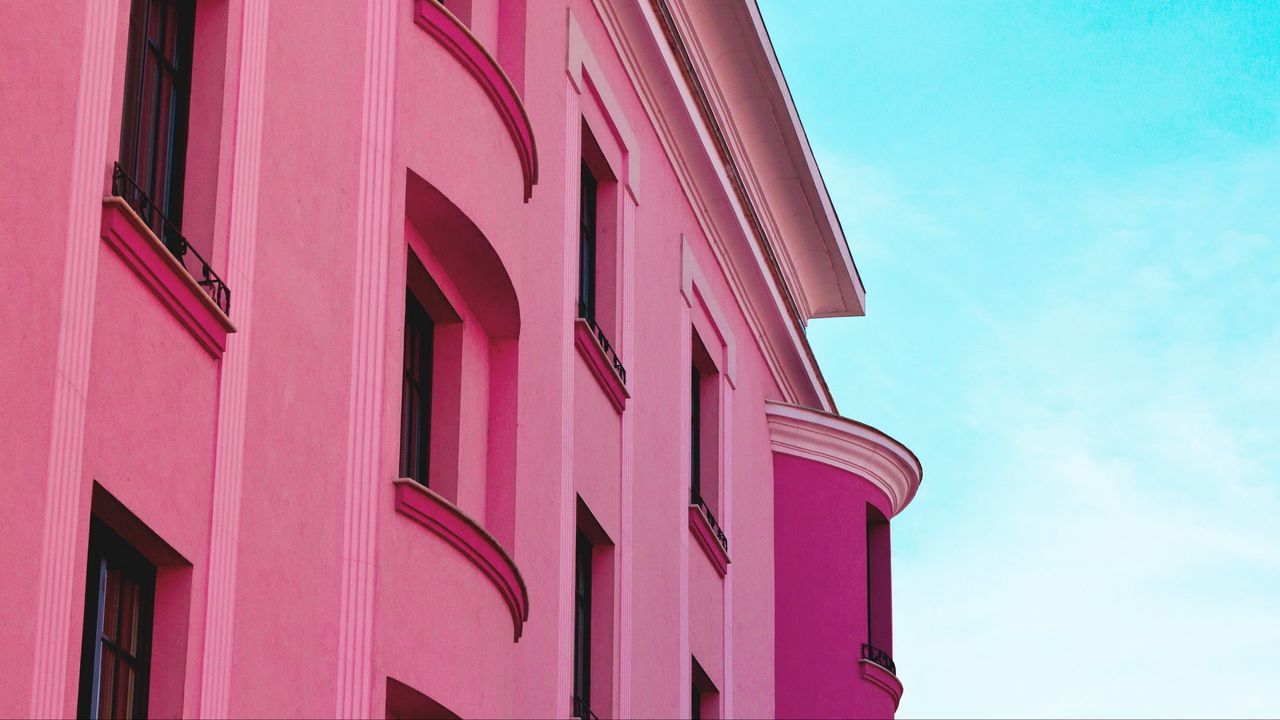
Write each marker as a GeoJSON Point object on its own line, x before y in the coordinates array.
{"type": "Point", "coordinates": [821, 543]}
{"type": "Point", "coordinates": [326, 147]}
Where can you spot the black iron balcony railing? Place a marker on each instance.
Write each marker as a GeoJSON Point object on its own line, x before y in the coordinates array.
{"type": "Point", "coordinates": [609, 352]}
{"type": "Point", "coordinates": [580, 709]}
{"type": "Point", "coordinates": [124, 187]}
{"type": "Point", "coordinates": [715, 526]}
{"type": "Point", "coordinates": [876, 655]}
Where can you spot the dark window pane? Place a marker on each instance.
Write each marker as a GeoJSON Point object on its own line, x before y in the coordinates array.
{"type": "Point", "coordinates": [125, 691]}
{"type": "Point", "coordinates": [145, 132]}
{"type": "Point", "coordinates": [587, 245]}
{"type": "Point", "coordinates": [130, 607]}
{"type": "Point", "coordinates": [107, 681]}
{"type": "Point", "coordinates": [111, 610]}
{"type": "Point", "coordinates": [582, 626]}
{"type": "Point", "coordinates": [695, 438]}
{"type": "Point", "coordinates": [415, 410]}
{"type": "Point", "coordinates": [171, 35]}
{"type": "Point", "coordinates": [154, 12]}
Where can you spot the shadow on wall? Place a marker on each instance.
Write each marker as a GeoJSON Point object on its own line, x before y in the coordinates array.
{"type": "Point", "coordinates": [462, 283]}
{"type": "Point", "coordinates": [405, 702]}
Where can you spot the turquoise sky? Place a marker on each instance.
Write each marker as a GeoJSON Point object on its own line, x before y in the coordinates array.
{"type": "Point", "coordinates": [1067, 216]}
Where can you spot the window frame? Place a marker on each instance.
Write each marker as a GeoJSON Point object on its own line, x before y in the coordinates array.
{"type": "Point", "coordinates": [108, 551]}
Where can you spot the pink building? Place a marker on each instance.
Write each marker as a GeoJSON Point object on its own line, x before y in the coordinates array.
{"type": "Point", "coordinates": [411, 358]}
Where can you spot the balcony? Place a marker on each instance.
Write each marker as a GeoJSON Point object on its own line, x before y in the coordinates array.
{"type": "Point", "coordinates": [157, 254]}
{"type": "Point", "coordinates": [434, 18]}
{"type": "Point", "coordinates": [579, 709]}
{"type": "Point", "coordinates": [610, 352]}
{"type": "Point", "coordinates": [123, 186]}
{"type": "Point", "coordinates": [471, 541]}
{"type": "Point", "coordinates": [602, 358]}
{"type": "Point", "coordinates": [706, 531]}
{"type": "Point", "coordinates": [879, 672]}
{"type": "Point", "coordinates": [871, 653]}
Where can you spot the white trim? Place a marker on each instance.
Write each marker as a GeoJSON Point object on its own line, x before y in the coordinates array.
{"type": "Point", "coordinates": [615, 15]}
{"type": "Point", "coordinates": [763, 67]}
{"type": "Point", "coordinates": [585, 74]}
{"type": "Point", "coordinates": [693, 285]}
{"type": "Point", "coordinates": [846, 444]}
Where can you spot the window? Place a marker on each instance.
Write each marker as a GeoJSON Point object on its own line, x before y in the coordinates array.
{"type": "Point", "coordinates": [459, 360]}
{"type": "Point", "coordinates": [587, 246]}
{"type": "Point", "coordinates": [116, 650]}
{"type": "Point", "coordinates": [704, 436]}
{"type": "Point", "coordinates": [695, 438]}
{"type": "Point", "coordinates": [704, 444]}
{"type": "Point", "coordinates": [599, 259]}
{"type": "Point", "coordinates": [152, 171]}
{"type": "Point", "coordinates": [415, 405]}
{"type": "Point", "coordinates": [153, 138]}
{"type": "Point", "coordinates": [594, 596]}
{"type": "Point", "coordinates": [879, 646]}
{"type": "Point", "coordinates": [582, 629]}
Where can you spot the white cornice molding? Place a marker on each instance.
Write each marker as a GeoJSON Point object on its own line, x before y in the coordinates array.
{"type": "Point", "coordinates": [635, 32]}
{"type": "Point", "coordinates": [747, 167]}
{"type": "Point", "coordinates": [848, 445]}
{"type": "Point", "coordinates": [704, 38]}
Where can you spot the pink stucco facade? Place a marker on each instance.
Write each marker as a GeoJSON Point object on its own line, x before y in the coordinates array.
{"type": "Point", "coordinates": [245, 437]}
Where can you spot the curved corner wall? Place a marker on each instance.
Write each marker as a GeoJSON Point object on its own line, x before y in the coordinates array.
{"type": "Point", "coordinates": [436, 20]}
{"type": "Point", "coordinates": [835, 482]}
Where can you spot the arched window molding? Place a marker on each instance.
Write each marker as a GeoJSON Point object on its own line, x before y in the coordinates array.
{"type": "Point", "coordinates": [474, 390]}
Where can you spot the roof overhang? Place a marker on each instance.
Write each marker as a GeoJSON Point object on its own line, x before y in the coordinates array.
{"type": "Point", "coordinates": [728, 40]}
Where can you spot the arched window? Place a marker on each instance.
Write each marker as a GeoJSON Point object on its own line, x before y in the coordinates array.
{"type": "Point", "coordinates": [458, 394]}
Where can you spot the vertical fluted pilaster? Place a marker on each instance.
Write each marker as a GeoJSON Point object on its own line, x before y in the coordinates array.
{"type": "Point", "coordinates": [364, 432]}
{"type": "Point", "coordinates": [55, 614]}
{"type": "Point", "coordinates": [215, 692]}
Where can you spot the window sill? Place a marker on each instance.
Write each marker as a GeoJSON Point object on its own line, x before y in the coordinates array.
{"type": "Point", "coordinates": [700, 526]}
{"type": "Point", "coordinates": [591, 351]}
{"type": "Point", "coordinates": [443, 518]}
{"type": "Point", "coordinates": [143, 252]}
{"type": "Point", "coordinates": [883, 679]}
{"type": "Point", "coordinates": [437, 21]}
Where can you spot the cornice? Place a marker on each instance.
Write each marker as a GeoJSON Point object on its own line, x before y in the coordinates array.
{"type": "Point", "coordinates": [675, 35]}
{"type": "Point", "coordinates": [848, 445]}
{"type": "Point", "coordinates": [750, 104]}
{"type": "Point", "coordinates": [722, 118]}
{"type": "Point", "coordinates": [655, 73]}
